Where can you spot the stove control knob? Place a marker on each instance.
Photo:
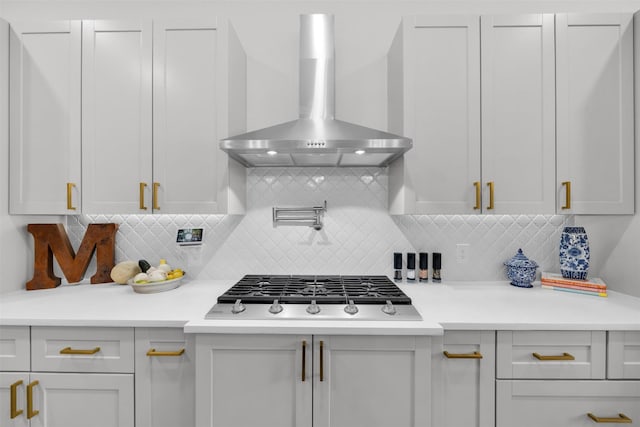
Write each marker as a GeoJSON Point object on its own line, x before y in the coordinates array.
{"type": "Point", "coordinates": [238, 307]}
{"type": "Point", "coordinates": [388, 308]}
{"type": "Point", "coordinates": [313, 308]}
{"type": "Point", "coordinates": [275, 308]}
{"type": "Point", "coordinates": [351, 308]}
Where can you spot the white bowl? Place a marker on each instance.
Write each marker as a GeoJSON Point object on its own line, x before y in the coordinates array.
{"type": "Point", "coordinates": [153, 287]}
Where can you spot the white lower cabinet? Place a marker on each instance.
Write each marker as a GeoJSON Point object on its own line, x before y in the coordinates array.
{"type": "Point", "coordinates": [66, 400]}
{"type": "Point", "coordinates": [164, 378]}
{"type": "Point", "coordinates": [555, 403]}
{"type": "Point", "coordinates": [463, 379]}
{"type": "Point", "coordinates": [305, 380]}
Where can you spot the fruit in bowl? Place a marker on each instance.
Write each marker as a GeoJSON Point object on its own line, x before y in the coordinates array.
{"type": "Point", "coordinates": [161, 273]}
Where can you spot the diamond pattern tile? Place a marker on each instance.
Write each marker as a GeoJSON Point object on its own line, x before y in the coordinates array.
{"type": "Point", "coordinates": [492, 238]}
{"type": "Point", "coordinates": [359, 236]}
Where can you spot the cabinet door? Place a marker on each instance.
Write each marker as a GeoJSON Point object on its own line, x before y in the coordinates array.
{"type": "Point", "coordinates": [595, 113]}
{"type": "Point", "coordinates": [253, 380]}
{"type": "Point", "coordinates": [566, 403]}
{"type": "Point", "coordinates": [518, 113]}
{"type": "Point", "coordinates": [116, 117]}
{"type": "Point", "coordinates": [81, 400]}
{"type": "Point", "coordinates": [443, 113]}
{"type": "Point", "coordinates": [463, 379]}
{"type": "Point", "coordinates": [45, 118]}
{"type": "Point", "coordinates": [165, 378]}
{"type": "Point", "coordinates": [13, 412]}
{"type": "Point", "coordinates": [371, 381]}
{"type": "Point", "coordinates": [185, 113]}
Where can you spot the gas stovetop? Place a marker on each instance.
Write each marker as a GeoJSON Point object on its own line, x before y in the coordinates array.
{"type": "Point", "coordinates": [314, 297]}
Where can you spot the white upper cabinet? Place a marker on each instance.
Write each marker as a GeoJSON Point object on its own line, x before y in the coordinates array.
{"type": "Point", "coordinates": [116, 117]}
{"type": "Point", "coordinates": [190, 173]}
{"type": "Point", "coordinates": [482, 117]}
{"type": "Point", "coordinates": [434, 92]}
{"type": "Point", "coordinates": [44, 127]}
{"type": "Point", "coordinates": [518, 114]}
{"type": "Point", "coordinates": [151, 128]}
{"type": "Point", "coordinates": [595, 113]}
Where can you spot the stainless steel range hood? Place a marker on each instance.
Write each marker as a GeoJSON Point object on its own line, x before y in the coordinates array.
{"type": "Point", "coordinates": [316, 138]}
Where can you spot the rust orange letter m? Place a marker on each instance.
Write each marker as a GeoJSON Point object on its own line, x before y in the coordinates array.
{"type": "Point", "coordinates": [52, 239]}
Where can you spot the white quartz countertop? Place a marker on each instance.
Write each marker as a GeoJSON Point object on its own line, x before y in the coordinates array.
{"type": "Point", "coordinates": [448, 305]}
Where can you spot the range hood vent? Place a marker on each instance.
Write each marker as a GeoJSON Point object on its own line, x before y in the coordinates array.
{"type": "Point", "coordinates": [316, 138]}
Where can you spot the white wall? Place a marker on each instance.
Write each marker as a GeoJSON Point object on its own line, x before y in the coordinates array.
{"type": "Point", "coordinates": [621, 267]}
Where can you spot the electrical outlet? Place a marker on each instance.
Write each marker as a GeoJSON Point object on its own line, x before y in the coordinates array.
{"type": "Point", "coordinates": [462, 253]}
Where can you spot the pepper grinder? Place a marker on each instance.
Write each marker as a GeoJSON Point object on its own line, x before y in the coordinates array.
{"type": "Point", "coordinates": [397, 266]}
{"type": "Point", "coordinates": [437, 264]}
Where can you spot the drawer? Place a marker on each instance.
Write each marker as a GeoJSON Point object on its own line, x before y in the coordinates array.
{"type": "Point", "coordinates": [623, 360]}
{"type": "Point", "coordinates": [551, 354]}
{"type": "Point", "coordinates": [77, 349]}
{"type": "Point", "coordinates": [561, 403]}
{"type": "Point", "coordinates": [14, 348]}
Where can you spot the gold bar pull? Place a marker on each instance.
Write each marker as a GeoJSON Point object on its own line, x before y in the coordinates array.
{"type": "Point", "coordinates": [153, 352]}
{"type": "Point", "coordinates": [490, 185]}
{"type": "Point", "coordinates": [474, 355]}
{"type": "Point", "coordinates": [321, 360]}
{"type": "Point", "coordinates": [621, 419]}
{"type": "Point", "coordinates": [567, 195]}
{"type": "Point", "coordinates": [70, 186]}
{"type": "Point", "coordinates": [478, 196]}
{"type": "Point", "coordinates": [304, 359]}
{"type": "Point", "coordinates": [143, 186]}
{"type": "Point", "coordinates": [30, 412]}
{"type": "Point", "coordinates": [564, 356]}
{"type": "Point", "coordinates": [14, 399]}
{"type": "Point", "coordinates": [155, 196]}
{"type": "Point", "coordinates": [69, 350]}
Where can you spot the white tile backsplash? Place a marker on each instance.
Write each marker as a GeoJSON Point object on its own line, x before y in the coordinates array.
{"type": "Point", "coordinates": [358, 237]}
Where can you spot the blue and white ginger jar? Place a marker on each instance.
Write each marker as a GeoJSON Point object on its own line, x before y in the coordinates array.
{"type": "Point", "coordinates": [521, 270]}
{"type": "Point", "coordinates": [574, 253]}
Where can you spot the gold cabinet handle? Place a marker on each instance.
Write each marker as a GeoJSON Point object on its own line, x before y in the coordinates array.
{"type": "Point", "coordinates": [143, 186]}
{"type": "Point", "coordinates": [304, 359]}
{"type": "Point", "coordinates": [70, 186]}
{"type": "Point", "coordinates": [30, 412]}
{"type": "Point", "coordinates": [474, 355]}
{"type": "Point", "coordinates": [491, 186]}
{"type": "Point", "coordinates": [69, 350]}
{"type": "Point", "coordinates": [567, 195]}
{"type": "Point", "coordinates": [155, 196]}
{"type": "Point", "coordinates": [621, 419]}
{"type": "Point", "coordinates": [153, 352]}
{"type": "Point", "coordinates": [564, 356]}
{"type": "Point", "coordinates": [478, 196]}
{"type": "Point", "coordinates": [14, 399]}
{"type": "Point", "coordinates": [321, 360]}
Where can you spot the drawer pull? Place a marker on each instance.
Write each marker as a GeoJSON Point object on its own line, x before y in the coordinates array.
{"type": "Point", "coordinates": [153, 352]}
{"type": "Point", "coordinates": [14, 397]}
{"type": "Point", "coordinates": [304, 359]}
{"type": "Point", "coordinates": [69, 350]}
{"type": "Point", "coordinates": [30, 412]}
{"type": "Point", "coordinates": [621, 419]}
{"type": "Point", "coordinates": [474, 355]}
{"type": "Point", "coordinates": [564, 356]}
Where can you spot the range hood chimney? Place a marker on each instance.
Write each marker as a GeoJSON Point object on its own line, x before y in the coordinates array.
{"type": "Point", "coordinates": [316, 138]}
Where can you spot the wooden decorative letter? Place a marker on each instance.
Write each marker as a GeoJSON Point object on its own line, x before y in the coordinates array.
{"type": "Point", "coordinates": [52, 239]}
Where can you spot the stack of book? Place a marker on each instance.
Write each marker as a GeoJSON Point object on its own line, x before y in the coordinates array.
{"type": "Point", "coordinates": [556, 282]}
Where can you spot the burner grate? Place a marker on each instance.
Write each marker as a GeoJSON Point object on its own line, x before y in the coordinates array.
{"type": "Point", "coordinates": [263, 289]}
